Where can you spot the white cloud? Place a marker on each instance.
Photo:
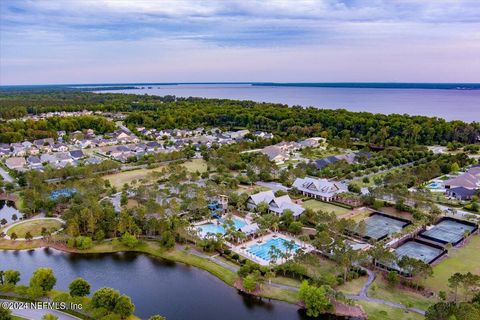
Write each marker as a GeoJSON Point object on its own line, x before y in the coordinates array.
{"type": "Point", "coordinates": [249, 40]}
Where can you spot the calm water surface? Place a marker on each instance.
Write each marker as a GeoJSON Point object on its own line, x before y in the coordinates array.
{"type": "Point", "coordinates": [448, 104]}
{"type": "Point", "coordinates": [156, 286]}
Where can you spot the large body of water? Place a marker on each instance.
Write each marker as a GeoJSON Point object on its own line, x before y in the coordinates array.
{"type": "Point", "coordinates": [448, 104]}
{"type": "Point", "coordinates": [156, 286]}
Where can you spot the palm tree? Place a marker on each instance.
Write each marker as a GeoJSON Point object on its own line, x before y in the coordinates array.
{"type": "Point", "coordinates": [273, 253]}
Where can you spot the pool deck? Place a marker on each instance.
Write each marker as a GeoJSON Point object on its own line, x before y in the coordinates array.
{"type": "Point", "coordinates": [197, 225]}
{"type": "Point", "coordinates": [243, 252]}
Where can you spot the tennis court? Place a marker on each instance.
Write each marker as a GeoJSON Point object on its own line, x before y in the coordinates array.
{"type": "Point", "coordinates": [379, 226]}
{"type": "Point", "coordinates": [448, 231]}
{"type": "Point", "coordinates": [419, 251]}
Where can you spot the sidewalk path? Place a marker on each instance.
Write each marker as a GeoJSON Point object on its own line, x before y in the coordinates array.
{"type": "Point", "coordinates": [24, 221]}
{"type": "Point", "coordinates": [361, 296]}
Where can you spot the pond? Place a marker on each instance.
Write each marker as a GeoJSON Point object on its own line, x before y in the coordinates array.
{"type": "Point", "coordinates": [156, 286]}
{"type": "Point", "coordinates": [7, 210]}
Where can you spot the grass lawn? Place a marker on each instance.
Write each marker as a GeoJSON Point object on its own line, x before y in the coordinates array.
{"type": "Point", "coordinates": [361, 214]}
{"type": "Point", "coordinates": [353, 286]}
{"type": "Point", "coordinates": [286, 281]}
{"type": "Point", "coordinates": [318, 266]}
{"type": "Point", "coordinates": [377, 311]}
{"type": "Point", "coordinates": [318, 153]}
{"type": "Point", "coordinates": [324, 206]}
{"type": "Point", "coordinates": [20, 245]}
{"type": "Point", "coordinates": [459, 260]}
{"type": "Point", "coordinates": [195, 165]}
{"type": "Point", "coordinates": [280, 294]}
{"type": "Point", "coordinates": [120, 178]}
{"type": "Point", "coordinates": [411, 299]}
{"type": "Point", "coordinates": [35, 227]}
{"type": "Point", "coordinates": [132, 203]}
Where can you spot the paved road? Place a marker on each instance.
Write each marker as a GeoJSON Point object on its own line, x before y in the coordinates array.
{"type": "Point", "coordinates": [5, 175]}
{"type": "Point", "coordinates": [458, 212]}
{"type": "Point", "coordinates": [34, 219]}
{"type": "Point", "coordinates": [38, 314]}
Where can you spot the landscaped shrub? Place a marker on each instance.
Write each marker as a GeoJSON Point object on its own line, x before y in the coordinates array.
{"type": "Point", "coordinates": [83, 243]}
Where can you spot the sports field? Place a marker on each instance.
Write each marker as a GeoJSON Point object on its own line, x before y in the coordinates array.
{"type": "Point", "coordinates": [378, 226]}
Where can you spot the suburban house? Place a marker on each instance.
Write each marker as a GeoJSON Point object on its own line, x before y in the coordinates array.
{"type": "Point", "coordinates": [311, 142]}
{"type": "Point", "coordinates": [348, 157]}
{"type": "Point", "coordinates": [276, 205]}
{"type": "Point", "coordinates": [321, 189]}
{"type": "Point", "coordinates": [15, 163]}
{"type": "Point", "coordinates": [461, 193]}
{"type": "Point", "coordinates": [34, 162]}
{"type": "Point", "coordinates": [48, 158]}
{"type": "Point", "coordinates": [59, 147]}
{"type": "Point", "coordinates": [464, 186]}
{"type": "Point", "coordinates": [263, 134]}
{"type": "Point", "coordinates": [77, 154]}
{"type": "Point", "coordinates": [289, 146]}
{"type": "Point", "coordinates": [237, 134]}
{"type": "Point", "coordinates": [275, 154]}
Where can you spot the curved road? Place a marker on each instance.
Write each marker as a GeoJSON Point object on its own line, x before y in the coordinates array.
{"type": "Point", "coordinates": [36, 314]}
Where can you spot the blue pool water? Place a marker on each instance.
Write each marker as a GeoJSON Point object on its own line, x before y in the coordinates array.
{"type": "Point", "coordinates": [262, 250]}
{"type": "Point", "coordinates": [218, 228]}
{"type": "Point", "coordinates": [434, 185]}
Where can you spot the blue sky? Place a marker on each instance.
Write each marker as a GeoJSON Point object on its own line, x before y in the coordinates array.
{"type": "Point", "coordinates": [95, 41]}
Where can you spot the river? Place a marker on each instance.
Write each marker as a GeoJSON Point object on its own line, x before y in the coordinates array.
{"type": "Point", "coordinates": [156, 286]}
{"type": "Point", "coordinates": [448, 104]}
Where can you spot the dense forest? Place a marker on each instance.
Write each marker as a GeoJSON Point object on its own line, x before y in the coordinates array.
{"type": "Point", "coordinates": [291, 123]}
{"type": "Point", "coordinates": [18, 130]}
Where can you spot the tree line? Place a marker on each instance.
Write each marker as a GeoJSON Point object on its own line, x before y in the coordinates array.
{"type": "Point", "coordinates": [292, 123]}
{"type": "Point", "coordinates": [18, 130]}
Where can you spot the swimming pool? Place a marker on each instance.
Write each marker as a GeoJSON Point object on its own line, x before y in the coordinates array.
{"type": "Point", "coordinates": [434, 186]}
{"type": "Point", "coordinates": [215, 228]}
{"type": "Point", "coordinates": [262, 250]}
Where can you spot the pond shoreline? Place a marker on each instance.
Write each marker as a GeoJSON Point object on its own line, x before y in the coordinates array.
{"type": "Point", "coordinates": [176, 255]}
{"type": "Point", "coordinates": [146, 247]}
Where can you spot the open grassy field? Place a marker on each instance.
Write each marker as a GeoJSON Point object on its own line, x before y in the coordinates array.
{"type": "Point", "coordinates": [381, 290]}
{"type": "Point", "coordinates": [318, 266]}
{"type": "Point", "coordinates": [324, 206]}
{"type": "Point", "coordinates": [34, 227]}
{"type": "Point", "coordinates": [352, 286]}
{"type": "Point", "coordinates": [132, 203]}
{"type": "Point", "coordinates": [120, 178]}
{"type": "Point", "coordinates": [459, 260]}
{"type": "Point", "coordinates": [377, 311]}
{"type": "Point", "coordinates": [322, 152]}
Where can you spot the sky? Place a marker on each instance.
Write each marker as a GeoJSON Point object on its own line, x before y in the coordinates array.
{"type": "Point", "coordinates": [126, 41]}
